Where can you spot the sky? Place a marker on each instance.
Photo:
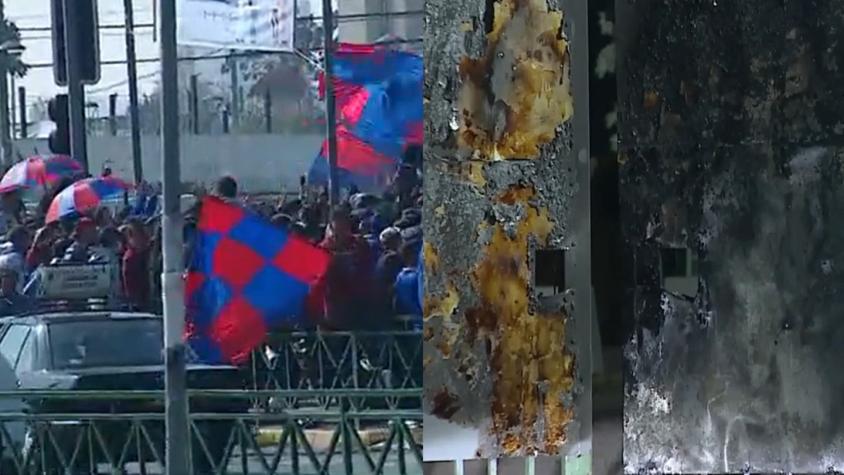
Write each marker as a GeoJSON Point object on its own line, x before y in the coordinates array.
{"type": "Point", "coordinates": [39, 81]}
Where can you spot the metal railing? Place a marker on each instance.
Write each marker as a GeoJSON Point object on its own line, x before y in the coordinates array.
{"type": "Point", "coordinates": [339, 360]}
{"type": "Point", "coordinates": [230, 440]}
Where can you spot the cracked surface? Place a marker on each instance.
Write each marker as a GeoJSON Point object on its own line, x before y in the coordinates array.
{"type": "Point", "coordinates": [508, 370]}
{"type": "Point", "coordinates": [517, 94]}
{"type": "Point", "coordinates": [737, 157]}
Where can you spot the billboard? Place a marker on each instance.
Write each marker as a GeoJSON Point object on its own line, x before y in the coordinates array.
{"type": "Point", "coordinates": [265, 25]}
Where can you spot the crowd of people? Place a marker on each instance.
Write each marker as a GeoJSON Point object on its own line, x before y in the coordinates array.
{"type": "Point", "coordinates": [374, 240]}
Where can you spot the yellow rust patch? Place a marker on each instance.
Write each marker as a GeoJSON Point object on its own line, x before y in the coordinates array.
{"type": "Point", "coordinates": [443, 306]}
{"type": "Point", "coordinates": [531, 367]}
{"type": "Point", "coordinates": [430, 258]}
{"type": "Point", "coordinates": [473, 172]}
{"type": "Point", "coordinates": [515, 97]}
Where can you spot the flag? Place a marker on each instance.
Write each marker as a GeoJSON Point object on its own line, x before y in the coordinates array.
{"type": "Point", "coordinates": [379, 108]}
{"type": "Point", "coordinates": [358, 163]}
{"type": "Point", "coordinates": [245, 277]}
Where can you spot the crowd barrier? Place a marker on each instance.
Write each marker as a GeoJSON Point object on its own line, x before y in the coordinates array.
{"type": "Point", "coordinates": [234, 440]}
{"type": "Point", "coordinates": [338, 360]}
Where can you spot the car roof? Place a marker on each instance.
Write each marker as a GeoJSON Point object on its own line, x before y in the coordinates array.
{"type": "Point", "coordinates": [64, 317]}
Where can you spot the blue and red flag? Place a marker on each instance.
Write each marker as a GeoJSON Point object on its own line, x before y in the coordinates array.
{"type": "Point", "coordinates": [379, 111]}
{"type": "Point", "coordinates": [246, 277]}
{"type": "Point", "coordinates": [85, 196]}
{"type": "Point", "coordinates": [39, 172]}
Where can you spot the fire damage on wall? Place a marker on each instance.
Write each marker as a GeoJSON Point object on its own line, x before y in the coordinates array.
{"type": "Point", "coordinates": [732, 186]}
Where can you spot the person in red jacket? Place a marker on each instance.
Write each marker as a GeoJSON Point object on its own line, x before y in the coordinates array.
{"type": "Point", "coordinates": [136, 285]}
{"type": "Point", "coordinates": [348, 286]}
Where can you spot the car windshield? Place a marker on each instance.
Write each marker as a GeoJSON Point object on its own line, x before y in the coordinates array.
{"type": "Point", "coordinates": [102, 343]}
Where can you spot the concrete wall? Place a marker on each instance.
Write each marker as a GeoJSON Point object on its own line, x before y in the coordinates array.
{"type": "Point", "coordinates": [259, 162]}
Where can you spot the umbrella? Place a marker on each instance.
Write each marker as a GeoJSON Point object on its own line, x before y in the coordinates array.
{"type": "Point", "coordinates": [85, 196]}
{"type": "Point", "coordinates": [39, 171]}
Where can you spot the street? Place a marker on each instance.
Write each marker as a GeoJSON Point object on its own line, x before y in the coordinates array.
{"type": "Point", "coordinates": [254, 466]}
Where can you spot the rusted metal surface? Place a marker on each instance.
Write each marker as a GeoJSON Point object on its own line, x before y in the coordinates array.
{"type": "Point", "coordinates": [732, 120]}
{"type": "Point", "coordinates": [506, 174]}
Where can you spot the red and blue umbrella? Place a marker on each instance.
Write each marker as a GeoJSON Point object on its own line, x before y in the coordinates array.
{"type": "Point", "coordinates": [39, 171]}
{"type": "Point", "coordinates": [85, 196]}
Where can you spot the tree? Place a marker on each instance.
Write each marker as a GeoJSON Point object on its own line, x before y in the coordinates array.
{"type": "Point", "coordinates": [9, 33]}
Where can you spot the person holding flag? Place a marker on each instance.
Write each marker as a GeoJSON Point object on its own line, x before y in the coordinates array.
{"type": "Point", "coordinates": [246, 277]}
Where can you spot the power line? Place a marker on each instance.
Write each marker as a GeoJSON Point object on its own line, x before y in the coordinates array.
{"type": "Point", "coordinates": [211, 57]}
{"type": "Point", "coordinates": [348, 17]}
{"type": "Point", "coordinates": [101, 27]}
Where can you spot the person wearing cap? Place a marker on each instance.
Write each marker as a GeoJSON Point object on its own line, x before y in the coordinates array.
{"type": "Point", "coordinates": [11, 211]}
{"type": "Point", "coordinates": [12, 302]}
{"type": "Point", "coordinates": [410, 217]}
{"type": "Point", "coordinates": [387, 269]}
{"type": "Point", "coordinates": [85, 235]}
{"type": "Point", "coordinates": [226, 188]}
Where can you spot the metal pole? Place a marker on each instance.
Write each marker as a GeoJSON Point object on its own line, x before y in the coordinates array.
{"type": "Point", "coordinates": [177, 429]}
{"type": "Point", "coordinates": [235, 83]}
{"type": "Point", "coordinates": [132, 72]}
{"type": "Point", "coordinates": [13, 107]}
{"type": "Point", "coordinates": [330, 103]}
{"type": "Point", "coordinates": [194, 104]}
{"type": "Point", "coordinates": [22, 109]}
{"type": "Point", "coordinates": [112, 114]}
{"type": "Point", "coordinates": [268, 111]}
{"type": "Point", "coordinates": [5, 140]}
{"type": "Point", "coordinates": [75, 88]}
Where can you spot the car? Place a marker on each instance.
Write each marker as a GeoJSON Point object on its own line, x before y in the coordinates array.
{"type": "Point", "coordinates": [101, 351]}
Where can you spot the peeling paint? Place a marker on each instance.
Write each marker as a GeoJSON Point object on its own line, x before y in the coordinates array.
{"type": "Point", "coordinates": [517, 94]}
{"type": "Point", "coordinates": [496, 191]}
{"type": "Point", "coordinates": [532, 369]}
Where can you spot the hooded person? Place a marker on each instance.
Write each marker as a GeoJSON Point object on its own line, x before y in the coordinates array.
{"type": "Point", "coordinates": [15, 248]}
{"type": "Point", "coordinates": [12, 301]}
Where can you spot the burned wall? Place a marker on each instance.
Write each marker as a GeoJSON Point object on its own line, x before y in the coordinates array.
{"type": "Point", "coordinates": [504, 170]}
{"type": "Point", "coordinates": [731, 122]}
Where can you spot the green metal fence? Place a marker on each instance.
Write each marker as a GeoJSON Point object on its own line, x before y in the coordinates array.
{"type": "Point", "coordinates": [122, 432]}
{"type": "Point", "coordinates": [339, 360]}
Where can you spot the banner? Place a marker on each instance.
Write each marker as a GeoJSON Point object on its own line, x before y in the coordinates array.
{"type": "Point", "coordinates": [266, 25]}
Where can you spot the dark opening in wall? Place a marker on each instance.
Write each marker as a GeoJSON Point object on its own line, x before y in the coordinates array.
{"type": "Point", "coordinates": [679, 268]}
{"type": "Point", "coordinates": [550, 269]}
{"type": "Point", "coordinates": [674, 263]}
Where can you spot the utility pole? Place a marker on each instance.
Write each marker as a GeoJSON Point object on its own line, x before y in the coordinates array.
{"type": "Point", "coordinates": [75, 88]}
{"type": "Point", "coordinates": [194, 104]}
{"type": "Point", "coordinates": [132, 72]}
{"type": "Point", "coordinates": [176, 407]}
{"type": "Point", "coordinates": [330, 103]}
{"type": "Point", "coordinates": [5, 139]}
{"type": "Point", "coordinates": [235, 83]}
{"type": "Point", "coordinates": [22, 108]}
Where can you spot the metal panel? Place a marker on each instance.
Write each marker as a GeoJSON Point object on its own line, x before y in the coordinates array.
{"type": "Point", "coordinates": [506, 174]}
{"type": "Point", "coordinates": [731, 129]}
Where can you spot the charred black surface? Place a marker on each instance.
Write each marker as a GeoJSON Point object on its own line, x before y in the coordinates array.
{"type": "Point", "coordinates": [732, 142]}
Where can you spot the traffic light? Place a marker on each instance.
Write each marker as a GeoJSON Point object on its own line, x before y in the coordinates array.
{"type": "Point", "coordinates": [57, 109]}
{"type": "Point", "coordinates": [84, 14]}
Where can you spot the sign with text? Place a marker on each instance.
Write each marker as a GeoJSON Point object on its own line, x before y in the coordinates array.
{"type": "Point", "coordinates": [265, 25]}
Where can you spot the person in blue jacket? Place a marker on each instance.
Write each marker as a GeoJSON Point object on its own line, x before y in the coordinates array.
{"type": "Point", "coordinates": [406, 288]}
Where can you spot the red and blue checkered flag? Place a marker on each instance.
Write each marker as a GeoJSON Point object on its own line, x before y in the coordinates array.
{"type": "Point", "coordinates": [379, 113]}
{"type": "Point", "coordinates": [246, 276]}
